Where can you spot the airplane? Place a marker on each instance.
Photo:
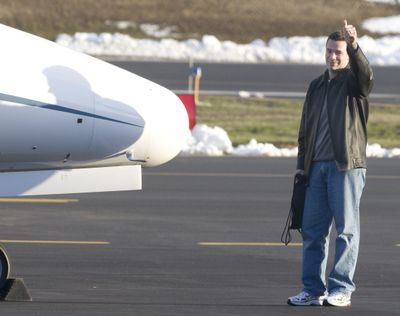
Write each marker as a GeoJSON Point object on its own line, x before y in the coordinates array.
{"type": "Point", "coordinates": [71, 123]}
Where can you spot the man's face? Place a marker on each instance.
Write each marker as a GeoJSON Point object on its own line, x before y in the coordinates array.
{"type": "Point", "coordinates": [336, 56]}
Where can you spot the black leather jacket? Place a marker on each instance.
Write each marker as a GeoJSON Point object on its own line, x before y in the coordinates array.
{"type": "Point", "coordinates": [347, 106]}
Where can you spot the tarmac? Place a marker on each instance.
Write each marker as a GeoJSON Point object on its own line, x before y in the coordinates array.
{"type": "Point", "coordinates": [201, 238]}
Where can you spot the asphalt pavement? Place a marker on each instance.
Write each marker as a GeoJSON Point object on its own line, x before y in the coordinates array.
{"type": "Point", "coordinates": [271, 80]}
{"type": "Point", "coordinates": [201, 238]}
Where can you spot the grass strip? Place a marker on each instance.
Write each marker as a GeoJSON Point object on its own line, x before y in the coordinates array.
{"type": "Point", "coordinates": [277, 121]}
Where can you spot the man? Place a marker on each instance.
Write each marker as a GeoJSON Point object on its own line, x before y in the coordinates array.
{"type": "Point", "coordinates": [332, 155]}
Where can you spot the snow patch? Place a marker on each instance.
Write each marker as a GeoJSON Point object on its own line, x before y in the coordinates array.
{"type": "Point", "coordinates": [214, 141]}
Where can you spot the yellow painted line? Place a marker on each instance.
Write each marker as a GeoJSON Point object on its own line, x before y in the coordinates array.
{"type": "Point", "coordinates": [37, 200]}
{"type": "Point", "coordinates": [249, 244]}
{"type": "Point", "coordinates": [54, 242]}
{"type": "Point", "coordinates": [218, 174]}
{"type": "Point", "coordinates": [244, 175]}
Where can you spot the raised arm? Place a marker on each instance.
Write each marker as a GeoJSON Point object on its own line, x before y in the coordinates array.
{"type": "Point", "coordinates": [358, 62]}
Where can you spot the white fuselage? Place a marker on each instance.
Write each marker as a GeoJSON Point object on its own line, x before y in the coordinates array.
{"type": "Point", "coordinates": [60, 109]}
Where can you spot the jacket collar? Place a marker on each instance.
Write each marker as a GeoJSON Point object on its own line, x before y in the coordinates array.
{"type": "Point", "coordinates": [341, 76]}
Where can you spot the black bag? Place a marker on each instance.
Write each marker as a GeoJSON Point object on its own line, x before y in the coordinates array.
{"type": "Point", "coordinates": [295, 217]}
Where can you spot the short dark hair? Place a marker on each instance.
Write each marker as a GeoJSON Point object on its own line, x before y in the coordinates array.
{"type": "Point", "coordinates": [336, 36]}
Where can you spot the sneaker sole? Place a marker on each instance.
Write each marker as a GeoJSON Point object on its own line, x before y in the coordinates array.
{"type": "Point", "coordinates": [311, 303]}
{"type": "Point", "coordinates": [326, 303]}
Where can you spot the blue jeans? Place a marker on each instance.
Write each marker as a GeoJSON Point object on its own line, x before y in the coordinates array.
{"type": "Point", "coordinates": [331, 195]}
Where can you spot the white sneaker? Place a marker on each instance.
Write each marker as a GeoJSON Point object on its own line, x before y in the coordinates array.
{"type": "Point", "coordinates": [337, 299]}
{"type": "Point", "coordinates": [305, 299]}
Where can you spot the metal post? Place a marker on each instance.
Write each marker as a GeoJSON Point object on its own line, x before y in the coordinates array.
{"type": "Point", "coordinates": [190, 77]}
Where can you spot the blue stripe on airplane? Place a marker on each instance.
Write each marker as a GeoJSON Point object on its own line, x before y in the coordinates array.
{"type": "Point", "coordinates": [54, 107]}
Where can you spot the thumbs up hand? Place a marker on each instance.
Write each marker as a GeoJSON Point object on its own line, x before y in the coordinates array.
{"type": "Point", "coordinates": [350, 34]}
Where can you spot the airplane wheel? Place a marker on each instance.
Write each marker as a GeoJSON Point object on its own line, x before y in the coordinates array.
{"type": "Point", "coordinates": [4, 267]}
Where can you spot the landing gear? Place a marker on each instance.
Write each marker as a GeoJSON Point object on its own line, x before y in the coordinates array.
{"type": "Point", "coordinates": [4, 267]}
{"type": "Point", "coordinates": [11, 289]}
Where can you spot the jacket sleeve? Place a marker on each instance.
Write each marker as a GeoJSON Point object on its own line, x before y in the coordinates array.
{"type": "Point", "coordinates": [362, 71]}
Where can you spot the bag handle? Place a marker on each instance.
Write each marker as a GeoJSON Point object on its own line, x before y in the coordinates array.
{"type": "Point", "coordinates": [286, 236]}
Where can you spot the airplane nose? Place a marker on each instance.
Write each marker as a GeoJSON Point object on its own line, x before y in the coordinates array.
{"type": "Point", "coordinates": [166, 130]}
